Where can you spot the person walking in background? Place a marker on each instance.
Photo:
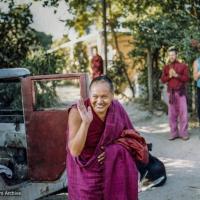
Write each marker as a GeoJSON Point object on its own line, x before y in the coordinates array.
{"type": "Point", "coordinates": [196, 75]}
{"type": "Point", "coordinates": [175, 75]}
{"type": "Point", "coordinates": [96, 64]}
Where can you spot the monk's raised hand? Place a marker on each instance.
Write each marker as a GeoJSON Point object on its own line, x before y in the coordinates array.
{"type": "Point", "coordinates": [85, 113]}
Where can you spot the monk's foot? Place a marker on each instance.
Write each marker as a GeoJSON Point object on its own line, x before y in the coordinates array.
{"type": "Point", "coordinates": [172, 138]}
{"type": "Point", "coordinates": [185, 138]}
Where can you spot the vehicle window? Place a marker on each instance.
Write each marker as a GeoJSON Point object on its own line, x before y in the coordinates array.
{"type": "Point", "coordinates": [10, 102]}
{"type": "Point", "coordinates": [56, 94]}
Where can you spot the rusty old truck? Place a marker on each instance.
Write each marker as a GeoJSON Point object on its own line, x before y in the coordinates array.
{"type": "Point", "coordinates": [33, 123]}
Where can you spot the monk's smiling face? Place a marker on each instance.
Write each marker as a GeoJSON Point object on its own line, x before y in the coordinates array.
{"type": "Point", "coordinates": [101, 97]}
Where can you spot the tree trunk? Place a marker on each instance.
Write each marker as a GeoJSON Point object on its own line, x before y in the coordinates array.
{"type": "Point", "coordinates": [156, 73]}
{"type": "Point", "coordinates": [150, 81]}
{"type": "Point", "coordinates": [105, 35]}
{"type": "Point", "coordinates": [120, 54]}
{"type": "Point", "coordinates": [122, 60]}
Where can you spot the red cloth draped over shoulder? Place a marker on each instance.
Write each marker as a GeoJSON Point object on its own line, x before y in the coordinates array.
{"type": "Point", "coordinates": [135, 144]}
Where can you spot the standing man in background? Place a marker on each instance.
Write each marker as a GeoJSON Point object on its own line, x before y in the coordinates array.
{"type": "Point", "coordinates": [96, 64]}
{"type": "Point", "coordinates": [196, 75]}
{"type": "Point", "coordinates": [175, 75]}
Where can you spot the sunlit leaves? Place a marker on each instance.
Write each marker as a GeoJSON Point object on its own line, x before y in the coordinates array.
{"type": "Point", "coordinates": [16, 35]}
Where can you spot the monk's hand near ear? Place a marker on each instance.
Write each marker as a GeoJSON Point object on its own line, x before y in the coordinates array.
{"type": "Point", "coordinates": [78, 121]}
{"type": "Point", "coordinates": [85, 113]}
{"type": "Point", "coordinates": [101, 158]}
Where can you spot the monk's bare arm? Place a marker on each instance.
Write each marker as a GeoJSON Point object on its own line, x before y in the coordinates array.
{"type": "Point", "coordinates": [196, 74]}
{"type": "Point", "coordinates": [78, 130]}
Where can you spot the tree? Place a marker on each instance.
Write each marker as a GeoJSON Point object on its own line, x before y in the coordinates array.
{"type": "Point", "coordinates": [89, 12]}
{"type": "Point", "coordinates": [40, 62]}
{"type": "Point", "coordinates": [44, 40]}
{"type": "Point", "coordinates": [22, 46]}
{"type": "Point", "coordinates": [80, 61]}
{"type": "Point", "coordinates": [154, 29]}
{"type": "Point", "coordinates": [16, 35]}
{"type": "Point", "coordinates": [151, 38]}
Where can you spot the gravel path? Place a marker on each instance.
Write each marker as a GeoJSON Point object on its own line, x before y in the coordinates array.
{"type": "Point", "coordinates": [181, 158]}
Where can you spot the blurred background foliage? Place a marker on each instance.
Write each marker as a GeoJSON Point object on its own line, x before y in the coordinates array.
{"type": "Point", "coordinates": [154, 25]}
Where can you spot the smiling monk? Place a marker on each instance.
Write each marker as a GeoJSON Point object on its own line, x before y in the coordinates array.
{"type": "Point", "coordinates": [99, 168]}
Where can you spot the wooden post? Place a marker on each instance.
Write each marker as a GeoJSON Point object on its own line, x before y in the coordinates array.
{"type": "Point", "coordinates": [150, 81]}
{"type": "Point", "coordinates": [104, 6]}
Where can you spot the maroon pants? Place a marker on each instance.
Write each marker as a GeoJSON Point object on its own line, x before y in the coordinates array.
{"type": "Point", "coordinates": [178, 116]}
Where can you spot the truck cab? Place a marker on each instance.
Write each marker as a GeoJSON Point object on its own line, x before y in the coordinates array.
{"type": "Point", "coordinates": [33, 124]}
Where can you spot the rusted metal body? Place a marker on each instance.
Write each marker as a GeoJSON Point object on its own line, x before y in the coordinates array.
{"type": "Point", "coordinates": [41, 137]}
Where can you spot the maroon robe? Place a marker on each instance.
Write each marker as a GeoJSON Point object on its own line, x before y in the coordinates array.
{"type": "Point", "coordinates": [97, 66]}
{"type": "Point", "coordinates": [179, 82]}
{"type": "Point", "coordinates": [117, 178]}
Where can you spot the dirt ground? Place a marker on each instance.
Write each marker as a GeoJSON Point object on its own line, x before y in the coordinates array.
{"type": "Point", "coordinates": [181, 158]}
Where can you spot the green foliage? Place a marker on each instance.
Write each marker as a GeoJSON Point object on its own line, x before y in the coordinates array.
{"type": "Point", "coordinates": [21, 46]}
{"type": "Point", "coordinates": [39, 62]}
{"type": "Point", "coordinates": [154, 24]}
{"type": "Point", "coordinates": [10, 98]}
{"type": "Point", "coordinates": [43, 39]}
{"type": "Point", "coordinates": [11, 102]}
{"type": "Point", "coordinates": [46, 96]}
{"type": "Point", "coordinates": [89, 14]}
{"type": "Point", "coordinates": [159, 25]}
{"type": "Point", "coordinates": [143, 80]}
{"type": "Point", "coordinates": [116, 73]}
{"type": "Point", "coordinates": [80, 61]}
{"type": "Point", "coordinates": [16, 35]}
{"type": "Point", "coordinates": [84, 13]}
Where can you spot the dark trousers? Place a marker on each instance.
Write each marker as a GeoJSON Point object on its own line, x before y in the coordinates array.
{"type": "Point", "coordinates": [198, 101]}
